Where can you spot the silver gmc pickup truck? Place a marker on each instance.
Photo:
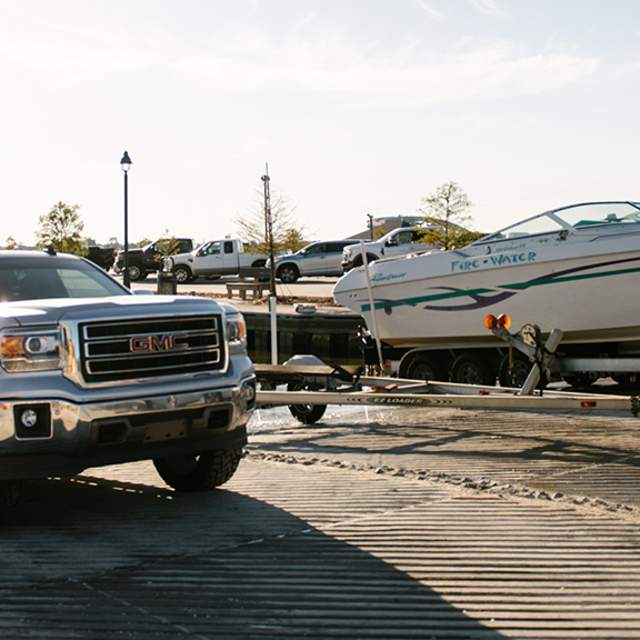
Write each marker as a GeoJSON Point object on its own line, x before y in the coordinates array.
{"type": "Point", "coordinates": [91, 374]}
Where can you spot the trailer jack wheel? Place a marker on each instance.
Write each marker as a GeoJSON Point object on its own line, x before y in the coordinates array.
{"type": "Point", "coordinates": [306, 413]}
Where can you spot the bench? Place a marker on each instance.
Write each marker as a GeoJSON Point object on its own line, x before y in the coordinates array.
{"type": "Point", "coordinates": [256, 288]}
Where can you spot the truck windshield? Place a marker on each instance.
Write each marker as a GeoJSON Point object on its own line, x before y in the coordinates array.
{"type": "Point", "coordinates": [29, 278]}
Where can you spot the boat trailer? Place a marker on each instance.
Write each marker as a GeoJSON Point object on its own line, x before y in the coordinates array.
{"type": "Point", "coordinates": [312, 385]}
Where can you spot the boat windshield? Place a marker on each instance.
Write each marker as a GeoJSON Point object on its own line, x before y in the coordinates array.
{"type": "Point", "coordinates": [586, 215]}
{"type": "Point", "coordinates": [579, 216]}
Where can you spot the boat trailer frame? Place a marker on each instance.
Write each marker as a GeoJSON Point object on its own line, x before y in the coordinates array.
{"type": "Point", "coordinates": [322, 387]}
{"type": "Point", "coordinates": [311, 387]}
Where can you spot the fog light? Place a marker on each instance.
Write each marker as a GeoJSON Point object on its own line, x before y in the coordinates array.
{"type": "Point", "coordinates": [249, 394]}
{"type": "Point", "coordinates": [29, 418]}
{"type": "Point", "coordinates": [32, 420]}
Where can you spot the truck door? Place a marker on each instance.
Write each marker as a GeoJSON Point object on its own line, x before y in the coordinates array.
{"type": "Point", "coordinates": [210, 259]}
{"type": "Point", "coordinates": [401, 244]}
{"type": "Point", "coordinates": [230, 257]}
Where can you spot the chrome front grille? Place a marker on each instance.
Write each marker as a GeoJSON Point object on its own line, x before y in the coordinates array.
{"type": "Point", "coordinates": [143, 348]}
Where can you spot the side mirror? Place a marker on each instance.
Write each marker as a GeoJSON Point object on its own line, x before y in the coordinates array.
{"type": "Point", "coordinates": [391, 242]}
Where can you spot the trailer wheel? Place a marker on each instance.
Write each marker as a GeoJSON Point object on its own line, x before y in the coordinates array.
{"type": "Point", "coordinates": [424, 367]}
{"type": "Point", "coordinates": [518, 373]}
{"type": "Point", "coordinates": [306, 413]}
{"type": "Point", "coordinates": [471, 368]}
{"type": "Point", "coordinates": [208, 470]}
{"type": "Point", "coordinates": [580, 379]}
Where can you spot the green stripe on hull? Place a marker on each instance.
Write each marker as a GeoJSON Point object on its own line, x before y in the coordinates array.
{"type": "Point", "coordinates": [518, 286]}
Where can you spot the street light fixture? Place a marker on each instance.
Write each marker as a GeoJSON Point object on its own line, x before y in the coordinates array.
{"type": "Point", "coordinates": [370, 225]}
{"type": "Point", "coordinates": [125, 165]}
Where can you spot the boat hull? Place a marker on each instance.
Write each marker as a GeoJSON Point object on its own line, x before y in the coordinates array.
{"type": "Point", "coordinates": [591, 298]}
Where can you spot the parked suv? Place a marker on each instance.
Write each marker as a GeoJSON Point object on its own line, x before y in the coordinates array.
{"type": "Point", "coordinates": [91, 374]}
{"type": "Point", "coordinates": [148, 259]}
{"type": "Point", "coordinates": [316, 259]}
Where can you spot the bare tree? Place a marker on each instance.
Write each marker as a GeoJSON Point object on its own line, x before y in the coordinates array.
{"type": "Point", "coordinates": [10, 243]}
{"type": "Point", "coordinates": [287, 234]}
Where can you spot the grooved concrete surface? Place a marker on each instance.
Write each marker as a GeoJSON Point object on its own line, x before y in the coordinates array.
{"type": "Point", "coordinates": [378, 524]}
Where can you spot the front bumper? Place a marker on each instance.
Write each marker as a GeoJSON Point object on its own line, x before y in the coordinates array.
{"type": "Point", "coordinates": [82, 435]}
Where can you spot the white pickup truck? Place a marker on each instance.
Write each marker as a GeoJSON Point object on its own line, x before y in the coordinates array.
{"type": "Point", "coordinates": [215, 258]}
{"type": "Point", "coordinates": [398, 242]}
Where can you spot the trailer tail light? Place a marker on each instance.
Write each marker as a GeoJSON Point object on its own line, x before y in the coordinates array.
{"type": "Point", "coordinates": [503, 321]}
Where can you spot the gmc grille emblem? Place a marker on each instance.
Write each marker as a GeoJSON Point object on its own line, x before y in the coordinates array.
{"type": "Point", "coordinates": [155, 343]}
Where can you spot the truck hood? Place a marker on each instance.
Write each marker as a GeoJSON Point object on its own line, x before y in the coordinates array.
{"type": "Point", "coordinates": [48, 312]}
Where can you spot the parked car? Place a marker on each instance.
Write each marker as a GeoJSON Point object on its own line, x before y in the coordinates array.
{"type": "Point", "coordinates": [215, 258]}
{"type": "Point", "coordinates": [102, 376]}
{"type": "Point", "coordinates": [398, 242]}
{"type": "Point", "coordinates": [104, 257]}
{"type": "Point", "coordinates": [148, 259]}
{"type": "Point", "coordinates": [316, 259]}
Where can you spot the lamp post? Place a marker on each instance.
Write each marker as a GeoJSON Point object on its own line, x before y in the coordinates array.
{"type": "Point", "coordinates": [125, 165]}
{"type": "Point", "coordinates": [370, 217]}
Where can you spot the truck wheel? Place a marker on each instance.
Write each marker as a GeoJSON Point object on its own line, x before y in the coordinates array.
{"type": "Point", "coordinates": [471, 368]}
{"type": "Point", "coordinates": [10, 494]}
{"type": "Point", "coordinates": [306, 413]}
{"type": "Point", "coordinates": [136, 273]}
{"type": "Point", "coordinates": [195, 473]}
{"type": "Point", "coordinates": [357, 262]}
{"type": "Point", "coordinates": [258, 264]}
{"type": "Point", "coordinates": [288, 273]}
{"type": "Point", "coordinates": [182, 274]}
{"type": "Point", "coordinates": [424, 367]}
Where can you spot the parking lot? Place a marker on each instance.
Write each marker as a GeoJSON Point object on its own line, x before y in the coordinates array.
{"type": "Point", "coordinates": [375, 523]}
{"type": "Point", "coordinates": [305, 287]}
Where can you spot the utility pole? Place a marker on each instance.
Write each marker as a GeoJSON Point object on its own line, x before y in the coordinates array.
{"type": "Point", "coordinates": [273, 300]}
{"type": "Point", "coordinates": [370, 217]}
{"type": "Point", "coordinates": [268, 224]}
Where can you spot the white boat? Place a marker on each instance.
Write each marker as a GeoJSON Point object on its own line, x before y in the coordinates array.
{"type": "Point", "coordinates": [574, 268]}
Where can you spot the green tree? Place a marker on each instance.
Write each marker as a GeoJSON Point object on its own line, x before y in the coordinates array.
{"type": "Point", "coordinates": [292, 240]}
{"type": "Point", "coordinates": [447, 211]}
{"type": "Point", "coordinates": [252, 228]}
{"type": "Point", "coordinates": [61, 228]}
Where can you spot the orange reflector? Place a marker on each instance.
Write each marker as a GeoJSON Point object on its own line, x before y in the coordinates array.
{"type": "Point", "coordinates": [490, 322]}
{"type": "Point", "coordinates": [504, 321]}
{"type": "Point", "coordinates": [588, 404]}
{"type": "Point", "coordinates": [12, 346]}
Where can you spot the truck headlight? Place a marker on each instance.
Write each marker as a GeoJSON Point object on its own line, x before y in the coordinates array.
{"type": "Point", "coordinates": [31, 350]}
{"type": "Point", "coordinates": [236, 334]}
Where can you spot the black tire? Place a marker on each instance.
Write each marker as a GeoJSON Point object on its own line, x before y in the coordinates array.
{"type": "Point", "coordinates": [424, 367]}
{"type": "Point", "coordinates": [306, 413]}
{"type": "Point", "coordinates": [288, 273]}
{"type": "Point", "coordinates": [579, 379]}
{"type": "Point", "coordinates": [199, 472]}
{"type": "Point", "coordinates": [519, 372]}
{"type": "Point", "coordinates": [136, 273]}
{"type": "Point", "coordinates": [10, 495]}
{"type": "Point", "coordinates": [182, 274]}
{"type": "Point", "coordinates": [625, 378]}
{"type": "Point", "coordinates": [472, 368]}
{"type": "Point", "coordinates": [357, 261]}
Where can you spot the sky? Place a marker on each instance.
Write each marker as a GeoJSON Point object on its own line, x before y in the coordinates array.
{"type": "Point", "coordinates": [358, 107]}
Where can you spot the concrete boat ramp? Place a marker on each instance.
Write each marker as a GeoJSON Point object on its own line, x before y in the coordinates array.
{"type": "Point", "coordinates": [373, 523]}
